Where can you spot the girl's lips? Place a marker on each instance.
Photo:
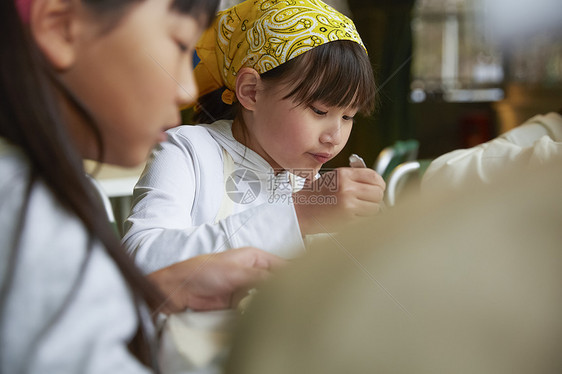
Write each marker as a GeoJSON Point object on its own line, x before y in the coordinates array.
{"type": "Point", "coordinates": [321, 157]}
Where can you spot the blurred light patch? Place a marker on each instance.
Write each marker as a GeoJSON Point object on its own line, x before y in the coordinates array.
{"type": "Point", "coordinates": [512, 19]}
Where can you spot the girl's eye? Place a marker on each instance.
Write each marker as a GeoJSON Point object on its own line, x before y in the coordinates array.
{"type": "Point", "coordinates": [182, 47]}
{"type": "Point", "coordinates": [318, 111]}
{"type": "Point", "coordinates": [347, 118]}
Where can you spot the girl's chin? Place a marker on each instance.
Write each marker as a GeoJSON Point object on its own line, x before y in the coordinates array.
{"type": "Point", "coordinates": [306, 169]}
{"type": "Point", "coordinates": [307, 173]}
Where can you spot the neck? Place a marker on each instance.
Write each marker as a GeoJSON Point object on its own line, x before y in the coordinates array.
{"type": "Point", "coordinates": [243, 136]}
{"type": "Point", "coordinates": [239, 131]}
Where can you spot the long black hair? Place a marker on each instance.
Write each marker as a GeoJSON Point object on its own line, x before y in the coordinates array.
{"type": "Point", "coordinates": [31, 120]}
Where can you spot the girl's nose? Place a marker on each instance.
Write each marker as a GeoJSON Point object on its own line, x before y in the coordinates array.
{"type": "Point", "coordinates": [332, 135]}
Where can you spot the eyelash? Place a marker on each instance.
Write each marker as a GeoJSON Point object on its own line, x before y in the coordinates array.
{"type": "Point", "coordinates": [318, 111]}
{"type": "Point", "coordinates": [321, 113]}
{"type": "Point", "coordinates": [183, 48]}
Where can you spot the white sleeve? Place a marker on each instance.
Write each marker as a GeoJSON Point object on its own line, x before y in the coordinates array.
{"type": "Point", "coordinates": [523, 148]}
{"type": "Point", "coordinates": [160, 230]}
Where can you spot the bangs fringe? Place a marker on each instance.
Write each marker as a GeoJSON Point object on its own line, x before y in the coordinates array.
{"type": "Point", "coordinates": [337, 74]}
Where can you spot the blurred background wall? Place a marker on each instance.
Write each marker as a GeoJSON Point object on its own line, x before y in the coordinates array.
{"type": "Point", "coordinates": [449, 77]}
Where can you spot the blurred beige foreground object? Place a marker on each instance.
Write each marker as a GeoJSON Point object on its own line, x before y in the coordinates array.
{"type": "Point", "coordinates": [469, 285]}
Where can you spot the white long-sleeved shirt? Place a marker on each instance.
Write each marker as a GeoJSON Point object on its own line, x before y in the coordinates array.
{"type": "Point", "coordinates": [92, 333]}
{"type": "Point", "coordinates": [526, 147]}
{"type": "Point", "coordinates": [182, 189]}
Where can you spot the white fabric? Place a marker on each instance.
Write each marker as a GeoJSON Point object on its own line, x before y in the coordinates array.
{"type": "Point", "coordinates": [196, 342]}
{"type": "Point", "coordinates": [180, 192]}
{"type": "Point", "coordinates": [91, 335]}
{"type": "Point", "coordinates": [227, 205]}
{"type": "Point", "coordinates": [526, 147]}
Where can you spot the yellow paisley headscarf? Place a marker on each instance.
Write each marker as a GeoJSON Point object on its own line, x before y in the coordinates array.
{"type": "Point", "coordinates": [263, 34]}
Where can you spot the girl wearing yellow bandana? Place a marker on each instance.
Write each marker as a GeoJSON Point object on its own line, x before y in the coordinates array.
{"type": "Point", "coordinates": [280, 82]}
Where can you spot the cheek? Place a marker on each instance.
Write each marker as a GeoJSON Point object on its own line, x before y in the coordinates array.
{"type": "Point", "coordinates": [123, 87]}
{"type": "Point", "coordinates": [157, 82]}
{"type": "Point", "coordinates": [292, 133]}
{"type": "Point", "coordinates": [346, 132]}
{"type": "Point", "coordinates": [287, 131]}
{"type": "Point", "coordinates": [137, 106]}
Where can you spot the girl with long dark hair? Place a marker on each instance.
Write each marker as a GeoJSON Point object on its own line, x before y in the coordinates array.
{"type": "Point", "coordinates": [100, 80]}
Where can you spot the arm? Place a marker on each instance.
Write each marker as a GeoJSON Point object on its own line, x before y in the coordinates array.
{"type": "Point", "coordinates": [176, 201]}
{"type": "Point", "coordinates": [524, 147]}
{"type": "Point", "coordinates": [217, 281]}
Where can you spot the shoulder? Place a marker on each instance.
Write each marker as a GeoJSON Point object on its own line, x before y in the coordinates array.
{"type": "Point", "coordinates": [194, 136]}
{"type": "Point", "coordinates": [45, 223]}
{"type": "Point", "coordinates": [15, 174]}
{"type": "Point", "coordinates": [13, 165]}
{"type": "Point", "coordinates": [47, 231]}
{"type": "Point", "coordinates": [191, 142]}
{"type": "Point", "coordinates": [57, 267]}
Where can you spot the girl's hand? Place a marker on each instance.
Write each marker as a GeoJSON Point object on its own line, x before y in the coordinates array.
{"type": "Point", "coordinates": [214, 281]}
{"type": "Point", "coordinates": [338, 197]}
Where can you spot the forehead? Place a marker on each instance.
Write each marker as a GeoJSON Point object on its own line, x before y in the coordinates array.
{"type": "Point", "coordinates": [147, 14]}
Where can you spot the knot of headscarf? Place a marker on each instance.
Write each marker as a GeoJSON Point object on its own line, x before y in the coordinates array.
{"type": "Point", "coordinates": [262, 34]}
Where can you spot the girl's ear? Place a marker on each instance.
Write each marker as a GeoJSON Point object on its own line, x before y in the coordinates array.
{"type": "Point", "coordinates": [52, 26]}
{"type": "Point", "coordinates": [247, 81]}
